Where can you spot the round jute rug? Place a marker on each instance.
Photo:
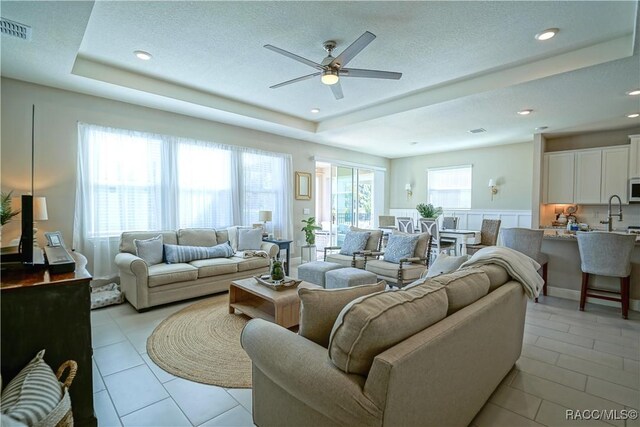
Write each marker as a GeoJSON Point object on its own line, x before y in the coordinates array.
{"type": "Point", "coordinates": [202, 343]}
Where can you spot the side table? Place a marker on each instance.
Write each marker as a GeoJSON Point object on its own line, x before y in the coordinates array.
{"type": "Point", "coordinates": [282, 245]}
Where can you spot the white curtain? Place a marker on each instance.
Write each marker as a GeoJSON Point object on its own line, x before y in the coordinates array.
{"type": "Point", "coordinates": [130, 180]}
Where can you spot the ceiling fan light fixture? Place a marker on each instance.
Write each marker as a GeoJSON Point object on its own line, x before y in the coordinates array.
{"type": "Point", "coordinates": [547, 34]}
{"type": "Point", "coordinates": [330, 77]}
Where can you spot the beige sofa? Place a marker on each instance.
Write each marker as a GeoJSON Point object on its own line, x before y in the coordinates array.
{"type": "Point", "coordinates": [439, 376]}
{"type": "Point", "coordinates": [146, 286]}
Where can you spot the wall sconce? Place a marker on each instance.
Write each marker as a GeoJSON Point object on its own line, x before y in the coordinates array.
{"type": "Point", "coordinates": [407, 188]}
{"type": "Point", "coordinates": [493, 187]}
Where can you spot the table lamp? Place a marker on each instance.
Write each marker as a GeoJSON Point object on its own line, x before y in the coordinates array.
{"type": "Point", "coordinates": [39, 214]}
{"type": "Point", "coordinates": [264, 217]}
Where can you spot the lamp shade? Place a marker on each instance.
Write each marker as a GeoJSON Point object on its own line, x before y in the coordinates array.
{"type": "Point", "coordinates": [264, 216]}
{"type": "Point", "coordinates": [40, 209]}
{"type": "Point", "coordinates": [492, 182]}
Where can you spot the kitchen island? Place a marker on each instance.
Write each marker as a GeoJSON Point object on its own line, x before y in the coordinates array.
{"type": "Point", "coordinates": [564, 276]}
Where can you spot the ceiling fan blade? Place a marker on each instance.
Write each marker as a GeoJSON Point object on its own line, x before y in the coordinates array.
{"type": "Point", "coordinates": [294, 57]}
{"type": "Point", "coordinates": [299, 79]}
{"type": "Point", "coordinates": [349, 53]}
{"type": "Point", "coordinates": [370, 74]}
{"type": "Point", "coordinates": [337, 90]}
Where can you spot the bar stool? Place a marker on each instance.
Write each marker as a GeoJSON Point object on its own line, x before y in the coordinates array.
{"type": "Point", "coordinates": [606, 254]}
{"type": "Point", "coordinates": [528, 242]}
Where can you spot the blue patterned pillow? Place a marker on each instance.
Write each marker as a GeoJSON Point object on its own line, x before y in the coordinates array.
{"type": "Point", "coordinates": [400, 246]}
{"type": "Point", "coordinates": [354, 241]}
{"type": "Point", "coordinates": [179, 253]}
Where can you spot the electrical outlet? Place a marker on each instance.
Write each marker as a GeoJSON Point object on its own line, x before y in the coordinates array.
{"type": "Point", "coordinates": [306, 211]}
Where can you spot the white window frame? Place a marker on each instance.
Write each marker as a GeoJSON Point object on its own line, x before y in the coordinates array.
{"type": "Point", "coordinates": [443, 168]}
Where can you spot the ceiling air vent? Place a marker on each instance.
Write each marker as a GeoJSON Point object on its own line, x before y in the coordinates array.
{"type": "Point", "coordinates": [15, 29]}
{"type": "Point", "coordinates": [479, 130]}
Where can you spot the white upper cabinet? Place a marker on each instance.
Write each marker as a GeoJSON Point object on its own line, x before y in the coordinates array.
{"type": "Point", "coordinates": [634, 156]}
{"type": "Point", "coordinates": [560, 177]}
{"type": "Point", "coordinates": [615, 173]}
{"type": "Point", "coordinates": [588, 177]}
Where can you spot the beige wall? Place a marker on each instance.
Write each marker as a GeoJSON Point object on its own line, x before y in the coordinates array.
{"type": "Point", "coordinates": [511, 165]}
{"type": "Point", "coordinates": [57, 114]}
{"type": "Point", "coordinates": [590, 140]}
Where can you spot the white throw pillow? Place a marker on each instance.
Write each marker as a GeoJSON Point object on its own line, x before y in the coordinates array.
{"type": "Point", "coordinates": [249, 239]}
{"type": "Point", "coordinates": [446, 264]}
{"type": "Point", "coordinates": [150, 250]}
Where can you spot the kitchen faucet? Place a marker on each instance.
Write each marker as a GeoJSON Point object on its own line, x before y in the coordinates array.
{"type": "Point", "coordinates": [610, 216]}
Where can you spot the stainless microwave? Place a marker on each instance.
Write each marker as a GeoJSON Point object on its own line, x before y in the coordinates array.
{"type": "Point", "coordinates": [634, 190]}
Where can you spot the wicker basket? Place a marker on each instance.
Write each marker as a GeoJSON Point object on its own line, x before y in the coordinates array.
{"type": "Point", "coordinates": [61, 415]}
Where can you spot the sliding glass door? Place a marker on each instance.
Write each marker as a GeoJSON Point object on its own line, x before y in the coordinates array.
{"type": "Point", "coordinates": [352, 204]}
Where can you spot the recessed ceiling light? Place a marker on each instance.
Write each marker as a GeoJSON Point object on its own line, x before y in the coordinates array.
{"type": "Point", "coordinates": [541, 128]}
{"type": "Point", "coordinates": [315, 110]}
{"type": "Point", "coordinates": [525, 112]}
{"type": "Point", "coordinates": [634, 92]}
{"type": "Point", "coordinates": [413, 143]}
{"type": "Point", "coordinates": [633, 115]}
{"type": "Point", "coordinates": [141, 54]}
{"type": "Point", "coordinates": [478, 130]}
{"type": "Point", "coordinates": [547, 34]}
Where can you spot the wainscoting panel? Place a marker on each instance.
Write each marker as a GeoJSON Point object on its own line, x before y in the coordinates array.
{"type": "Point", "coordinates": [472, 219]}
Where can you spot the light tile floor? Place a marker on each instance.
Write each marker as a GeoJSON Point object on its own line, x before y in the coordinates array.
{"type": "Point", "coordinates": [570, 360]}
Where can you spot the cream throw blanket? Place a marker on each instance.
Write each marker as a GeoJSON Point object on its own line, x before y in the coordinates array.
{"type": "Point", "coordinates": [252, 254]}
{"type": "Point", "coordinates": [518, 265]}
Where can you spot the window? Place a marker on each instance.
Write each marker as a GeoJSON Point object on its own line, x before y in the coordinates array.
{"type": "Point", "coordinates": [131, 180]}
{"type": "Point", "coordinates": [450, 187]}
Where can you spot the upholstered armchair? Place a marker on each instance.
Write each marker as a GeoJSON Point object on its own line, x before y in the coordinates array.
{"type": "Point", "coordinates": [356, 260]}
{"type": "Point", "coordinates": [406, 270]}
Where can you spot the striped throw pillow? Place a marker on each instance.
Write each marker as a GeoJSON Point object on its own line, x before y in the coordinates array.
{"type": "Point", "coordinates": [179, 253]}
{"type": "Point", "coordinates": [33, 393]}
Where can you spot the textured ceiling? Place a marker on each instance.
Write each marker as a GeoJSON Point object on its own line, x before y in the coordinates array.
{"type": "Point", "coordinates": [465, 65]}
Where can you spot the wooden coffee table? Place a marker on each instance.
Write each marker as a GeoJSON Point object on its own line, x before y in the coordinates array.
{"type": "Point", "coordinates": [258, 301]}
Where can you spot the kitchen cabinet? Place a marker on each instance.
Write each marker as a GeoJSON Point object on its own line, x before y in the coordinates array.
{"type": "Point", "coordinates": [588, 176]}
{"type": "Point", "coordinates": [634, 156]}
{"type": "Point", "coordinates": [615, 173]}
{"type": "Point", "coordinates": [560, 177]}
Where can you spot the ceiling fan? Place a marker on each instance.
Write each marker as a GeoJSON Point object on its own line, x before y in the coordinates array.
{"type": "Point", "coordinates": [331, 69]}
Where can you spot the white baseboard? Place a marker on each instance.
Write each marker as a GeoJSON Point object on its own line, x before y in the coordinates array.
{"type": "Point", "coordinates": [574, 295]}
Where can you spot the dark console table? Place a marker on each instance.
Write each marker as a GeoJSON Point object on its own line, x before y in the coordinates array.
{"type": "Point", "coordinates": [283, 245]}
{"type": "Point", "coordinates": [48, 311]}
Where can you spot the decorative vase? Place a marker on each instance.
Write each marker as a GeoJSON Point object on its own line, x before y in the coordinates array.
{"type": "Point", "coordinates": [277, 272]}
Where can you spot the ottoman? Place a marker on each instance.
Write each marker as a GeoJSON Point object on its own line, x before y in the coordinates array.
{"type": "Point", "coordinates": [314, 271]}
{"type": "Point", "coordinates": [349, 276]}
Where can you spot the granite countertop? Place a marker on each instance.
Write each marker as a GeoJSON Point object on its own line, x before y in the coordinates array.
{"type": "Point", "coordinates": [566, 237]}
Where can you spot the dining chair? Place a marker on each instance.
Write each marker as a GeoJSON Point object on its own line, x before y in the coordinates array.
{"type": "Point", "coordinates": [488, 235]}
{"type": "Point", "coordinates": [437, 244]}
{"type": "Point", "coordinates": [528, 242]}
{"type": "Point", "coordinates": [405, 224]}
{"type": "Point", "coordinates": [606, 254]}
{"type": "Point", "coordinates": [450, 222]}
{"type": "Point", "coordinates": [386, 223]}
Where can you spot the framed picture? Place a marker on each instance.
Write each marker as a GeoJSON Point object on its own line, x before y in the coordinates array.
{"type": "Point", "coordinates": [303, 186]}
{"type": "Point", "coordinates": [54, 238]}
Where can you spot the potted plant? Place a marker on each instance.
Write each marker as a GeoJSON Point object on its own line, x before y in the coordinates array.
{"type": "Point", "coordinates": [309, 228]}
{"type": "Point", "coordinates": [6, 213]}
{"type": "Point", "coordinates": [277, 272]}
{"type": "Point", "coordinates": [427, 210]}
{"type": "Point", "coordinates": [310, 237]}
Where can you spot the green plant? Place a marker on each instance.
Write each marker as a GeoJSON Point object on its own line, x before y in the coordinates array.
{"type": "Point", "coordinates": [6, 213]}
{"type": "Point", "coordinates": [427, 210]}
{"type": "Point", "coordinates": [277, 272]}
{"type": "Point", "coordinates": [309, 228]}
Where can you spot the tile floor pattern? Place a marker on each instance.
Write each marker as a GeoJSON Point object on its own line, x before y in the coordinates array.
{"type": "Point", "coordinates": [570, 360]}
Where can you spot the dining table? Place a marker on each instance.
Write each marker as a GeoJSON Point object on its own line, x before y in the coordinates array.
{"type": "Point", "coordinates": [461, 237]}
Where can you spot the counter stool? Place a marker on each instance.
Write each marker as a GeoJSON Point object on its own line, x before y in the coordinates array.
{"type": "Point", "coordinates": [606, 254]}
{"type": "Point", "coordinates": [528, 242]}
{"type": "Point", "coordinates": [488, 235]}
